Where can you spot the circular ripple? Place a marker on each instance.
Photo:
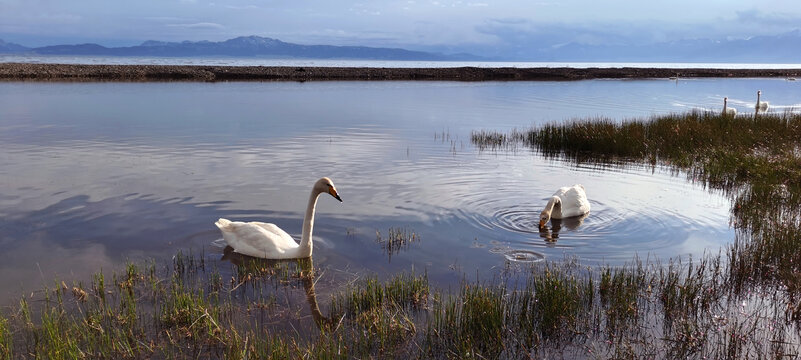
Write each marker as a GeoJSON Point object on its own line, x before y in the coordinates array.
{"type": "Point", "coordinates": [518, 218]}
{"type": "Point", "coordinates": [524, 256]}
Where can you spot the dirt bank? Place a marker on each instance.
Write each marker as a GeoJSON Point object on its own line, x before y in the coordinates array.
{"type": "Point", "coordinates": [60, 72]}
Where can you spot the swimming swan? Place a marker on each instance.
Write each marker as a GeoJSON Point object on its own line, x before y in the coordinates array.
{"type": "Point", "coordinates": [761, 105]}
{"type": "Point", "coordinates": [268, 241]}
{"type": "Point", "coordinates": [565, 202]}
{"type": "Point", "coordinates": [727, 111]}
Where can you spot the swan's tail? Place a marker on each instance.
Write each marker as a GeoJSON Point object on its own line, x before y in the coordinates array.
{"type": "Point", "coordinates": [222, 223]}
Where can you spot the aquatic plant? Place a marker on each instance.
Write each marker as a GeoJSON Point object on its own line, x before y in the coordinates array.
{"type": "Point", "coordinates": [396, 240]}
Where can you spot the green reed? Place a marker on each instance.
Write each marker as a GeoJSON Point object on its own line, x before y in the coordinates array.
{"type": "Point", "coordinates": [6, 340]}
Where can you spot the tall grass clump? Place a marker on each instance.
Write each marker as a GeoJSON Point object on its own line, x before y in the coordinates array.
{"type": "Point", "coordinates": [619, 291]}
{"type": "Point", "coordinates": [470, 325]}
{"type": "Point", "coordinates": [559, 298]}
{"type": "Point", "coordinates": [6, 340]}
{"type": "Point", "coordinates": [382, 313]}
{"type": "Point", "coordinates": [405, 290]}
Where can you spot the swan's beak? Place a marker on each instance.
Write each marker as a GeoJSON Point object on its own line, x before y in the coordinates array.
{"type": "Point", "coordinates": [542, 224]}
{"type": "Point", "coordinates": [333, 192]}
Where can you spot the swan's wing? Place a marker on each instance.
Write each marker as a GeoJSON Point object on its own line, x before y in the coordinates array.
{"type": "Point", "coordinates": [272, 228]}
{"type": "Point", "coordinates": [574, 201]}
{"type": "Point", "coordinates": [256, 239]}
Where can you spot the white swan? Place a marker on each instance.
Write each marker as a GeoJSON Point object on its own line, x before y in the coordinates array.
{"type": "Point", "coordinates": [268, 241]}
{"type": "Point", "coordinates": [566, 202]}
{"type": "Point", "coordinates": [761, 105]}
{"type": "Point", "coordinates": [727, 111]}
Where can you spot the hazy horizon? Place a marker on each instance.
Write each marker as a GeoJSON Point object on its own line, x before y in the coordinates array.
{"type": "Point", "coordinates": [501, 28]}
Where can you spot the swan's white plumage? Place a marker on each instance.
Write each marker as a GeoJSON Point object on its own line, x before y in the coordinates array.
{"type": "Point", "coordinates": [727, 111]}
{"type": "Point", "coordinates": [566, 202]}
{"type": "Point", "coordinates": [257, 239]}
{"type": "Point", "coordinates": [265, 240]}
{"type": "Point", "coordinates": [761, 105]}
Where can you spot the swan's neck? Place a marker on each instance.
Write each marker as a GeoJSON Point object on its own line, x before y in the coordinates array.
{"type": "Point", "coordinates": [555, 200]}
{"type": "Point", "coordinates": [305, 249]}
{"type": "Point", "coordinates": [725, 103]}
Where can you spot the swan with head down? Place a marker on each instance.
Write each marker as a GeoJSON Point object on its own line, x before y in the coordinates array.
{"type": "Point", "coordinates": [268, 241]}
{"type": "Point", "coordinates": [566, 202]}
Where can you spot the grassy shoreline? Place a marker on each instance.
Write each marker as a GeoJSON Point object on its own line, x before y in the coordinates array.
{"type": "Point", "coordinates": [743, 302]}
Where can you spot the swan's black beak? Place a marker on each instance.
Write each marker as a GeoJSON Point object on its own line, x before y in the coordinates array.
{"type": "Point", "coordinates": [333, 192]}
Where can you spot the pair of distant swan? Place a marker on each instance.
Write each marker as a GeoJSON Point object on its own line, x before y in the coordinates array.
{"type": "Point", "coordinates": [759, 106]}
{"type": "Point", "coordinates": [268, 241]}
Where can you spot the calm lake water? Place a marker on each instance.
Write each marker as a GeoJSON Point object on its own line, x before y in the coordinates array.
{"type": "Point", "coordinates": [257, 61]}
{"type": "Point", "coordinates": [95, 174]}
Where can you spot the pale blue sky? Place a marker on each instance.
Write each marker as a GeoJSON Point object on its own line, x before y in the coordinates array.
{"type": "Point", "coordinates": [477, 26]}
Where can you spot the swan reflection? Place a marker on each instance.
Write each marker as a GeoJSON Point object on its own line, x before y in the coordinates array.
{"type": "Point", "coordinates": [306, 275]}
{"type": "Point", "coordinates": [551, 234]}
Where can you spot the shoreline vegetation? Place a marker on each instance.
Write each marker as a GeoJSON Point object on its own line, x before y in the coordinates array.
{"type": "Point", "coordinates": [138, 73]}
{"type": "Point", "coordinates": [743, 302]}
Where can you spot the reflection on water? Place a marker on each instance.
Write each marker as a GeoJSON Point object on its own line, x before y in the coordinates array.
{"type": "Point", "coordinates": [552, 234]}
{"type": "Point", "coordinates": [307, 277]}
{"type": "Point", "coordinates": [99, 173]}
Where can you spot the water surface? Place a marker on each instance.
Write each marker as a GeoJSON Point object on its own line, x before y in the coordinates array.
{"type": "Point", "coordinates": [264, 61]}
{"type": "Point", "coordinates": [95, 174]}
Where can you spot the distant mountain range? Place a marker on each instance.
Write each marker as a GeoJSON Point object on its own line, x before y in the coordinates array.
{"type": "Point", "coordinates": [245, 46]}
{"type": "Point", "coordinates": [782, 48]}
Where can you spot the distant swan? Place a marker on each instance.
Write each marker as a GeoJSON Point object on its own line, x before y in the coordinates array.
{"type": "Point", "coordinates": [566, 202]}
{"type": "Point", "coordinates": [268, 241]}
{"type": "Point", "coordinates": [727, 111]}
{"type": "Point", "coordinates": [761, 105]}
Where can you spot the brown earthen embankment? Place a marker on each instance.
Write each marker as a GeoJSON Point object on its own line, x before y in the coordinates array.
{"type": "Point", "coordinates": [64, 72]}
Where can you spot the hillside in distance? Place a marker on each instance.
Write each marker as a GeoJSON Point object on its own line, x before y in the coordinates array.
{"type": "Point", "coordinates": [245, 46]}
{"type": "Point", "coordinates": [782, 48]}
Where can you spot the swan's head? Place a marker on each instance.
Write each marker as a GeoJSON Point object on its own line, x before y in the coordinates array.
{"type": "Point", "coordinates": [325, 185]}
{"type": "Point", "coordinates": [545, 216]}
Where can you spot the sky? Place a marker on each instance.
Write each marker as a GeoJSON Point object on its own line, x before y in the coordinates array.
{"type": "Point", "coordinates": [474, 26]}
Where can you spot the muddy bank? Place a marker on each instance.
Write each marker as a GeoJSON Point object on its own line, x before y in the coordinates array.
{"type": "Point", "coordinates": [60, 72]}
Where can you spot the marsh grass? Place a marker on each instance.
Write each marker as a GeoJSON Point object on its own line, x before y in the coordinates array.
{"type": "Point", "coordinates": [6, 342]}
{"type": "Point", "coordinates": [755, 161]}
{"type": "Point", "coordinates": [551, 309]}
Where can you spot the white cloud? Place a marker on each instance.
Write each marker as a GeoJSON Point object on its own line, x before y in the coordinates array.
{"type": "Point", "coordinates": [201, 25]}
{"type": "Point", "coordinates": [246, 7]}
{"type": "Point", "coordinates": [61, 18]}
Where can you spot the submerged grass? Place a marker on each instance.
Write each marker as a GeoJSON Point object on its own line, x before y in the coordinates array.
{"type": "Point", "coordinates": [741, 303]}
{"type": "Point", "coordinates": [397, 239]}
